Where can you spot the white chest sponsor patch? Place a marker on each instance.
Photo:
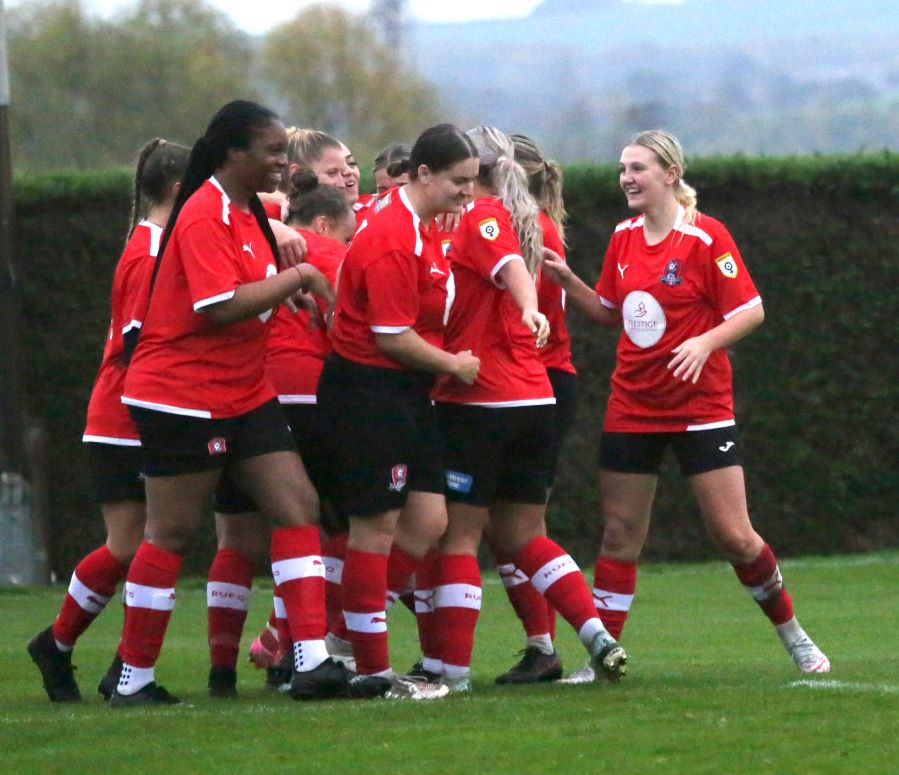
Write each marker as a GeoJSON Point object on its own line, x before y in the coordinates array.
{"type": "Point", "coordinates": [644, 318]}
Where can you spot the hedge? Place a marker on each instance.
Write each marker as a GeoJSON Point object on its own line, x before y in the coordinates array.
{"type": "Point", "coordinates": [816, 385]}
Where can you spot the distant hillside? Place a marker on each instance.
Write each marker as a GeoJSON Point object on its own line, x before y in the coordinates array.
{"type": "Point", "coordinates": [728, 75]}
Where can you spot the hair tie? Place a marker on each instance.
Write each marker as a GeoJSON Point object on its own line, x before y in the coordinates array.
{"type": "Point", "coordinates": [501, 158]}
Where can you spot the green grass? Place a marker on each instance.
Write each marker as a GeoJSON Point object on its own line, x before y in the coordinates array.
{"type": "Point", "coordinates": [710, 691]}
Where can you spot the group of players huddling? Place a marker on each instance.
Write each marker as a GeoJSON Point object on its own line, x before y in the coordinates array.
{"type": "Point", "coordinates": [365, 387]}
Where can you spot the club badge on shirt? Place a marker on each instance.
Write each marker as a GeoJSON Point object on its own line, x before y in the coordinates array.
{"type": "Point", "coordinates": [489, 228]}
{"type": "Point", "coordinates": [672, 274]}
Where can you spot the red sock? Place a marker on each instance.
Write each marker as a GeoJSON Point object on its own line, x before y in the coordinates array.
{"type": "Point", "coordinates": [458, 604]}
{"type": "Point", "coordinates": [614, 584]}
{"type": "Point", "coordinates": [227, 602]}
{"type": "Point", "coordinates": [763, 581]}
{"type": "Point", "coordinates": [364, 594]}
{"type": "Point", "coordinates": [427, 577]}
{"type": "Point", "coordinates": [400, 568]}
{"type": "Point", "coordinates": [150, 598]}
{"type": "Point", "coordinates": [333, 554]}
{"type": "Point", "coordinates": [528, 603]}
{"type": "Point", "coordinates": [299, 575]}
{"type": "Point", "coordinates": [557, 577]}
{"type": "Point", "coordinates": [93, 584]}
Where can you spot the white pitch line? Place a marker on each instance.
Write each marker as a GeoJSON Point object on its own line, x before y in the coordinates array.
{"type": "Point", "coordinates": [845, 686]}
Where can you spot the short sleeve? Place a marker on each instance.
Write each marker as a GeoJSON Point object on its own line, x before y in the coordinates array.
{"type": "Point", "coordinates": [210, 259]}
{"type": "Point", "coordinates": [493, 241]}
{"type": "Point", "coordinates": [731, 287]}
{"type": "Point", "coordinates": [606, 287]}
{"type": "Point", "coordinates": [391, 282]}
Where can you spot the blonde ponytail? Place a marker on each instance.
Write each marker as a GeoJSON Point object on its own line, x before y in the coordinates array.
{"type": "Point", "coordinates": [669, 152]}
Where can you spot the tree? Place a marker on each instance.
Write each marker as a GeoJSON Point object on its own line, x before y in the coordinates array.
{"type": "Point", "coordinates": [88, 93]}
{"type": "Point", "coordinates": [328, 70]}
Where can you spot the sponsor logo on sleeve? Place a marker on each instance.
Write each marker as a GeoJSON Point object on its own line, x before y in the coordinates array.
{"type": "Point", "coordinates": [728, 265]}
{"type": "Point", "coordinates": [489, 229]}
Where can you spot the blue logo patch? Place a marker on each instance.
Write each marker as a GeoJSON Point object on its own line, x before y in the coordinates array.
{"type": "Point", "coordinates": [459, 482]}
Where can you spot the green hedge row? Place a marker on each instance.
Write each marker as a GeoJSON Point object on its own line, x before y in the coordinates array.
{"type": "Point", "coordinates": [816, 386]}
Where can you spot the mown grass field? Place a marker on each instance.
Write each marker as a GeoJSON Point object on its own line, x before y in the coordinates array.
{"type": "Point", "coordinates": [710, 691]}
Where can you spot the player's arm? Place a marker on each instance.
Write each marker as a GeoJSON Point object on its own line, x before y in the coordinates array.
{"type": "Point", "coordinates": [690, 356]}
{"type": "Point", "coordinates": [578, 293]}
{"type": "Point", "coordinates": [409, 349]}
{"type": "Point", "coordinates": [515, 278]}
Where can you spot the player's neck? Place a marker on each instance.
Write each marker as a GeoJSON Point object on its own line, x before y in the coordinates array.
{"type": "Point", "coordinates": [658, 221]}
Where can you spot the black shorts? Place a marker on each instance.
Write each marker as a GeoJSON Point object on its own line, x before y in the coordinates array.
{"type": "Point", "coordinates": [497, 453]}
{"type": "Point", "coordinates": [314, 441]}
{"type": "Point", "coordinates": [115, 472]}
{"type": "Point", "coordinates": [173, 444]}
{"type": "Point", "coordinates": [385, 436]}
{"type": "Point", "coordinates": [696, 451]}
{"type": "Point", "coordinates": [565, 390]}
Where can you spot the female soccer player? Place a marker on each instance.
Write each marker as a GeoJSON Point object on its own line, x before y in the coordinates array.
{"type": "Point", "coordinates": [112, 441]}
{"type": "Point", "coordinates": [197, 391]}
{"type": "Point", "coordinates": [674, 279]}
{"type": "Point", "coordinates": [395, 287]}
{"type": "Point", "coordinates": [498, 431]}
{"type": "Point", "coordinates": [540, 661]}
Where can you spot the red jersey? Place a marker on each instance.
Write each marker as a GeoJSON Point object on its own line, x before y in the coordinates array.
{"type": "Point", "coordinates": [184, 363]}
{"type": "Point", "coordinates": [107, 418]}
{"type": "Point", "coordinates": [485, 319]}
{"type": "Point", "coordinates": [274, 210]}
{"type": "Point", "coordinates": [395, 277]}
{"type": "Point", "coordinates": [364, 207]}
{"type": "Point", "coordinates": [556, 353]}
{"type": "Point", "coordinates": [667, 293]}
{"type": "Point", "coordinates": [297, 350]}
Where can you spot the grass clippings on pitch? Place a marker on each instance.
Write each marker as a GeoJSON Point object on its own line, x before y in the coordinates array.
{"type": "Point", "coordinates": [710, 690]}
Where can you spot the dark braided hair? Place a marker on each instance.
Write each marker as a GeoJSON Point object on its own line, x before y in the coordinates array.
{"type": "Point", "coordinates": [232, 127]}
{"type": "Point", "coordinates": [159, 165]}
{"type": "Point", "coordinates": [309, 198]}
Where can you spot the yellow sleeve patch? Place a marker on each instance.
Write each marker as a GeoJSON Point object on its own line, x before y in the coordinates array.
{"type": "Point", "coordinates": [489, 228]}
{"type": "Point", "coordinates": [728, 265]}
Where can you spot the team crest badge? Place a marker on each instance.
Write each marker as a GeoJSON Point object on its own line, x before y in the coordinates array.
{"type": "Point", "coordinates": [489, 229]}
{"type": "Point", "coordinates": [217, 446]}
{"type": "Point", "coordinates": [383, 202]}
{"type": "Point", "coordinates": [728, 265]}
{"type": "Point", "coordinates": [672, 274]}
{"type": "Point", "coordinates": [398, 477]}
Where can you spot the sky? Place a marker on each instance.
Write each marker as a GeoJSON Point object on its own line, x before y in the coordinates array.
{"type": "Point", "coordinates": [256, 16]}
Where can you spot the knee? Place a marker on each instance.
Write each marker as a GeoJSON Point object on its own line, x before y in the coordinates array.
{"type": "Point", "coordinates": [738, 545]}
{"type": "Point", "coordinates": [622, 539]}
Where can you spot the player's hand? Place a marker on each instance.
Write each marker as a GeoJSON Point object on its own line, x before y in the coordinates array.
{"type": "Point", "coordinates": [689, 358]}
{"type": "Point", "coordinates": [466, 367]}
{"type": "Point", "coordinates": [448, 221]}
{"type": "Point", "coordinates": [537, 324]}
{"type": "Point", "coordinates": [555, 268]}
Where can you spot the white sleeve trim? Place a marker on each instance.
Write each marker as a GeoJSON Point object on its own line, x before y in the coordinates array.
{"type": "Point", "coordinates": [212, 300]}
{"type": "Point", "coordinates": [606, 303]}
{"type": "Point", "coordinates": [500, 264]}
{"type": "Point", "coordinates": [390, 329]}
{"type": "Point", "coordinates": [748, 305]}
{"type": "Point", "coordinates": [132, 324]}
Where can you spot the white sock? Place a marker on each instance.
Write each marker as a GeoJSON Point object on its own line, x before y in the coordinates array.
{"type": "Point", "coordinates": [592, 628]}
{"type": "Point", "coordinates": [133, 679]}
{"type": "Point", "coordinates": [432, 665]}
{"type": "Point", "coordinates": [789, 632]}
{"type": "Point", "coordinates": [543, 643]}
{"type": "Point", "coordinates": [309, 654]}
{"type": "Point", "coordinates": [454, 672]}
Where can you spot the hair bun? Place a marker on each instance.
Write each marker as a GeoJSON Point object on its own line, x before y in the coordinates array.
{"type": "Point", "coordinates": [303, 180]}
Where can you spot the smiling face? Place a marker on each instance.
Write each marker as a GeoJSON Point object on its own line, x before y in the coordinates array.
{"type": "Point", "coordinates": [261, 164]}
{"type": "Point", "coordinates": [351, 175]}
{"type": "Point", "coordinates": [645, 182]}
{"type": "Point", "coordinates": [451, 189]}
